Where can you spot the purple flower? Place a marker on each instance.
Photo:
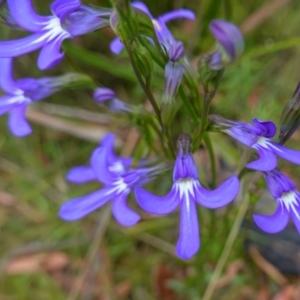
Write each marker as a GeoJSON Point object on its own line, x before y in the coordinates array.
{"type": "Point", "coordinates": [173, 71]}
{"type": "Point", "coordinates": [288, 203]}
{"type": "Point", "coordinates": [258, 136]}
{"type": "Point", "coordinates": [230, 43]}
{"type": "Point", "coordinates": [163, 34]}
{"type": "Point", "coordinates": [21, 93]}
{"type": "Point", "coordinates": [70, 18]}
{"type": "Point", "coordinates": [118, 180]}
{"type": "Point", "coordinates": [186, 192]}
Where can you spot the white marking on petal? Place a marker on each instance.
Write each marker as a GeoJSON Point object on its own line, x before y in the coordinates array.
{"type": "Point", "coordinates": [263, 142]}
{"type": "Point", "coordinates": [116, 167]}
{"type": "Point", "coordinates": [186, 187]}
{"type": "Point", "coordinates": [120, 186]}
{"type": "Point", "coordinates": [18, 99]}
{"type": "Point", "coordinates": [156, 25]}
{"type": "Point", "coordinates": [290, 201]}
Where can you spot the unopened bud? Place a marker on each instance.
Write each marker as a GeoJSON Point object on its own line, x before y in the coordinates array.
{"type": "Point", "coordinates": [103, 94]}
{"type": "Point", "coordinates": [176, 51]}
{"type": "Point", "coordinates": [184, 143]}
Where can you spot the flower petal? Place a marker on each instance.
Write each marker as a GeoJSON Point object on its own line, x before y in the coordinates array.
{"type": "Point", "coordinates": [142, 7]}
{"type": "Point", "coordinates": [50, 54]}
{"type": "Point", "coordinates": [267, 160]}
{"type": "Point", "coordinates": [7, 103]}
{"type": "Point", "coordinates": [156, 204]}
{"type": "Point", "coordinates": [189, 241]}
{"type": "Point", "coordinates": [116, 46]}
{"type": "Point", "coordinates": [99, 163]}
{"type": "Point", "coordinates": [267, 128]}
{"type": "Point", "coordinates": [219, 197]}
{"type": "Point", "coordinates": [22, 46]}
{"type": "Point", "coordinates": [17, 122]}
{"type": "Point", "coordinates": [122, 213]}
{"type": "Point", "coordinates": [273, 223]}
{"type": "Point", "coordinates": [177, 14]}
{"type": "Point", "coordinates": [295, 218]}
{"type": "Point", "coordinates": [25, 16]}
{"type": "Point", "coordinates": [7, 82]}
{"type": "Point", "coordinates": [81, 174]}
{"type": "Point", "coordinates": [77, 208]}
{"type": "Point", "coordinates": [286, 153]}
{"type": "Point", "coordinates": [61, 8]}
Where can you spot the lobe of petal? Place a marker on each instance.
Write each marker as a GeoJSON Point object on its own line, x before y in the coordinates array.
{"type": "Point", "coordinates": [273, 223]}
{"type": "Point", "coordinates": [22, 46]}
{"type": "Point", "coordinates": [219, 197]}
{"type": "Point", "coordinates": [142, 7]}
{"type": "Point", "coordinates": [177, 14]}
{"type": "Point", "coordinates": [157, 204]}
{"type": "Point", "coordinates": [286, 153]}
{"type": "Point", "coordinates": [267, 160]}
{"type": "Point", "coordinates": [61, 8]}
{"type": "Point", "coordinates": [25, 16]}
{"type": "Point", "coordinates": [122, 213]}
{"type": "Point", "coordinates": [267, 128]}
{"type": "Point", "coordinates": [81, 174]}
{"type": "Point", "coordinates": [7, 82]}
{"type": "Point", "coordinates": [50, 54]}
{"type": "Point", "coordinates": [77, 208]}
{"type": "Point", "coordinates": [7, 103]}
{"type": "Point", "coordinates": [189, 241]}
{"type": "Point", "coordinates": [17, 122]}
{"type": "Point", "coordinates": [116, 46]}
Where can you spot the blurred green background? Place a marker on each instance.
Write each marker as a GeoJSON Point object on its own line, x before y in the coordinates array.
{"type": "Point", "coordinates": [43, 257]}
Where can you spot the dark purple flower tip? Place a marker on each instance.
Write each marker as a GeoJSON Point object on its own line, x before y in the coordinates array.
{"type": "Point", "coordinates": [230, 40]}
{"type": "Point", "coordinates": [176, 51]}
{"type": "Point", "coordinates": [103, 94]}
{"type": "Point", "coordinates": [266, 128]}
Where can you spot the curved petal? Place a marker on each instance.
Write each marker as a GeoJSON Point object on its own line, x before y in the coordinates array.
{"type": "Point", "coordinates": [267, 160]}
{"type": "Point", "coordinates": [61, 8]}
{"type": "Point", "coordinates": [189, 241]}
{"type": "Point", "coordinates": [22, 46]}
{"type": "Point", "coordinates": [50, 54]}
{"type": "Point", "coordinates": [219, 197]}
{"type": "Point", "coordinates": [7, 103]}
{"type": "Point", "coordinates": [77, 208]}
{"type": "Point", "coordinates": [25, 16]}
{"type": "Point", "coordinates": [286, 153]}
{"type": "Point", "coordinates": [81, 174]}
{"type": "Point", "coordinates": [17, 122]}
{"type": "Point", "coordinates": [273, 223]}
{"type": "Point", "coordinates": [156, 204]}
{"type": "Point", "coordinates": [99, 163]}
{"type": "Point", "coordinates": [122, 213]}
{"type": "Point", "coordinates": [116, 46]}
{"type": "Point", "coordinates": [296, 218]}
{"type": "Point", "coordinates": [177, 14]}
{"type": "Point", "coordinates": [142, 7]}
{"type": "Point", "coordinates": [7, 82]}
{"type": "Point", "coordinates": [267, 128]}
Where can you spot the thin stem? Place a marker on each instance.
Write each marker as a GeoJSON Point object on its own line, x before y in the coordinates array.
{"type": "Point", "coordinates": [211, 159]}
{"type": "Point", "coordinates": [227, 248]}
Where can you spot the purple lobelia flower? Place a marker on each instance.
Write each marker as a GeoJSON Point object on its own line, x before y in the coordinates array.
{"type": "Point", "coordinates": [70, 18]}
{"type": "Point", "coordinates": [230, 43]}
{"type": "Point", "coordinates": [21, 93]}
{"type": "Point", "coordinates": [288, 203]}
{"type": "Point", "coordinates": [163, 34]}
{"type": "Point", "coordinates": [185, 193]}
{"type": "Point", "coordinates": [258, 136]}
{"type": "Point", "coordinates": [118, 179]}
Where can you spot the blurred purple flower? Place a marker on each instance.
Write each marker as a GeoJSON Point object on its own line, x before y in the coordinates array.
{"type": "Point", "coordinates": [185, 192]}
{"type": "Point", "coordinates": [118, 180]}
{"type": "Point", "coordinates": [288, 203]}
{"type": "Point", "coordinates": [258, 136]}
{"type": "Point", "coordinates": [164, 35]}
{"type": "Point", "coordinates": [230, 43]}
{"type": "Point", "coordinates": [70, 18]}
{"type": "Point", "coordinates": [21, 93]}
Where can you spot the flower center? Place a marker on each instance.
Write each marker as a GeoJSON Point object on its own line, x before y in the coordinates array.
{"type": "Point", "coordinates": [289, 200]}
{"type": "Point", "coordinates": [185, 187]}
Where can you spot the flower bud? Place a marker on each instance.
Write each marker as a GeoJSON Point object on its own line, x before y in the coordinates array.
{"type": "Point", "coordinates": [176, 51]}
{"type": "Point", "coordinates": [290, 117]}
{"type": "Point", "coordinates": [230, 43]}
{"type": "Point", "coordinates": [103, 94]}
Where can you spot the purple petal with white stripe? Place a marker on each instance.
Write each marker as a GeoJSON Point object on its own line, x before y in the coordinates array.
{"type": "Point", "coordinates": [122, 213]}
{"type": "Point", "coordinates": [286, 153]}
{"type": "Point", "coordinates": [189, 242]}
{"type": "Point", "coordinates": [76, 208]}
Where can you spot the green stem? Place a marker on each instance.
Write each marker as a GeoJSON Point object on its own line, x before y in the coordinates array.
{"type": "Point", "coordinates": [211, 159]}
